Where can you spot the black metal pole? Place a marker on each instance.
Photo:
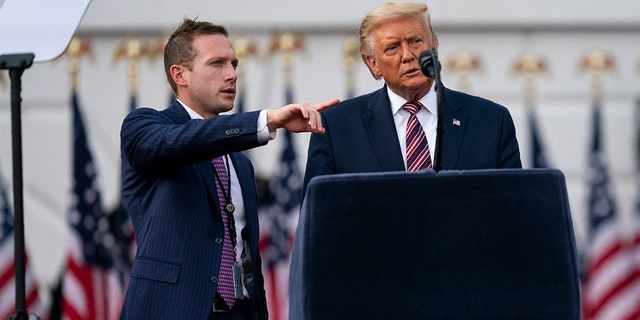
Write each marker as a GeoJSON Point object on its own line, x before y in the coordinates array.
{"type": "Point", "coordinates": [16, 64]}
{"type": "Point", "coordinates": [430, 67]}
{"type": "Point", "coordinates": [440, 124]}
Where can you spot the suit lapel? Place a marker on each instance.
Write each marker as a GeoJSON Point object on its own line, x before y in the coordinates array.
{"type": "Point", "coordinates": [455, 120]}
{"type": "Point", "coordinates": [206, 171]}
{"type": "Point", "coordinates": [178, 115]}
{"type": "Point", "coordinates": [247, 183]}
{"type": "Point", "coordinates": [381, 130]}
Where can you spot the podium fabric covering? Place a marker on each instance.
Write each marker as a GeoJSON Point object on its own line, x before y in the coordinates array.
{"type": "Point", "coordinates": [484, 244]}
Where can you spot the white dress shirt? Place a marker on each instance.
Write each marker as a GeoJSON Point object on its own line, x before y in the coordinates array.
{"type": "Point", "coordinates": [427, 116]}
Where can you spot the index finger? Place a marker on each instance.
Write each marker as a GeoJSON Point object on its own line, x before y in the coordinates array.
{"type": "Point", "coordinates": [326, 104]}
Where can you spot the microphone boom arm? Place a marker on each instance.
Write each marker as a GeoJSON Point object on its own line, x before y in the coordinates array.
{"type": "Point", "coordinates": [430, 66]}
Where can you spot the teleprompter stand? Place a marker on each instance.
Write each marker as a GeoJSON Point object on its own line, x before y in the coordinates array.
{"type": "Point", "coordinates": [16, 64]}
{"type": "Point", "coordinates": [30, 31]}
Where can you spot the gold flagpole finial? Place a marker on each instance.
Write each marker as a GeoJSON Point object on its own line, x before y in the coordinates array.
{"type": "Point", "coordinates": [530, 65]}
{"type": "Point", "coordinates": [155, 50]}
{"type": "Point", "coordinates": [596, 63]}
{"type": "Point", "coordinates": [245, 48]}
{"type": "Point", "coordinates": [78, 48]}
{"type": "Point", "coordinates": [464, 62]}
{"type": "Point", "coordinates": [351, 49]}
{"type": "Point", "coordinates": [132, 50]}
{"type": "Point", "coordinates": [287, 43]}
{"type": "Point", "coordinates": [351, 53]}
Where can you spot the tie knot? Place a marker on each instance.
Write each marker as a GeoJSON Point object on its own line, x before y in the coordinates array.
{"type": "Point", "coordinates": [412, 106]}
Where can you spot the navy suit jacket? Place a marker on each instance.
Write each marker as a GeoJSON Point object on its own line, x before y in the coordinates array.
{"type": "Point", "coordinates": [170, 193]}
{"type": "Point", "coordinates": [361, 136]}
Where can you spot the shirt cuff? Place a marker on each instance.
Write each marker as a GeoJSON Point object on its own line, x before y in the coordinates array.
{"type": "Point", "coordinates": [264, 134]}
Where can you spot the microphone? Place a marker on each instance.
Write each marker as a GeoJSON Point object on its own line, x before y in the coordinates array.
{"type": "Point", "coordinates": [429, 63]}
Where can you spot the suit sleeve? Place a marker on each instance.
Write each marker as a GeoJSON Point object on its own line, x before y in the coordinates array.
{"type": "Point", "coordinates": [509, 156]}
{"type": "Point", "coordinates": [151, 141]}
{"type": "Point", "coordinates": [320, 160]}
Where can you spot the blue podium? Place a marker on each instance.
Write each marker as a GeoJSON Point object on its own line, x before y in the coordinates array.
{"type": "Point", "coordinates": [479, 244]}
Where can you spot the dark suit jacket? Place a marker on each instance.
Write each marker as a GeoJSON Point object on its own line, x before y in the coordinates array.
{"type": "Point", "coordinates": [361, 136]}
{"type": "Point", "coordinates": [170, 193]}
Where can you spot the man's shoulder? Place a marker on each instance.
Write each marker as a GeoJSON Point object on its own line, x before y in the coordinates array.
{"type": "Point", "coordinates": [463, 99]}
{"type": "Point", "coordinates": [172, 113]}
{"type": "Point", "coordinates": [356, 104]}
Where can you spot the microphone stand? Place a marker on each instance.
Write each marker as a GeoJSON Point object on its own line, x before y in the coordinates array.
{"type": "Point", "coordinates": [17, 63]}
{"type": "Point", "coordinates": [433, 71]}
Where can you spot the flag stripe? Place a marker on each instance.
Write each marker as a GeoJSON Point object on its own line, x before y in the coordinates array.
{"type": "Point", "coordinates": [93, 287]}
{"type": "Point", "coordinates": [278, 220]}
{"type": "Point", "coordinates": [7, 267]}
{"type": "Point", "coordinates": [610, 286]}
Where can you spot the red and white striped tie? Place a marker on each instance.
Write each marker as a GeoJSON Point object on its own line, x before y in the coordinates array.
{"type": "Point", "coordinates": [418, 155]}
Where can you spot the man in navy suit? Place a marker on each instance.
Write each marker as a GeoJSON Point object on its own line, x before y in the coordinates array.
{"type": "Point", "coordinates": [188, 209]}
{"type": "Point", "coordinates": [368, 133]}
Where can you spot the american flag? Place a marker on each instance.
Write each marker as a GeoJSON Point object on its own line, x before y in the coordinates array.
{"type": "Point", "coordinates": [124, 248]}
{"type": "Point", "coordinates": [91, 289]}
{"type": "Point", "coordinates": [635, 236]}
{"type": "Point", "coordinates": [7, 266]}
{"type": "Point", "coordinates": [279, 217]}
{"type": "Point", "coordinates": [608, 291]}
{"type": "Point", "coordinates": [538, 155]}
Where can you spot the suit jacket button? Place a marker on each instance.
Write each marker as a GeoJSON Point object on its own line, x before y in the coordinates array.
{"type": "Point", "coordinates": [218, 240]}
{"type": "Point", "coordinates": [214, 279]}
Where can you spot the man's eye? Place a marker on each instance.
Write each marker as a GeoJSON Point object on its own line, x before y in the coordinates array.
{"type": "Point", "coordinates": [417, 42]}
{"type": "Point", "coordinates": [391, 50]}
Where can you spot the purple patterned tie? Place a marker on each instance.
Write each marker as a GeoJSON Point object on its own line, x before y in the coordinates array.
{"type": "Point", "coordinates": [225, 278]}
{"type": "Point", "coordinates": [418, 155]}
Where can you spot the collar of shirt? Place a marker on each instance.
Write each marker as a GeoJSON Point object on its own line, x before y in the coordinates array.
{"type": "Point", "coordinates": [190, 111]}
{"type": "Point", "coordinates": [429, 101]}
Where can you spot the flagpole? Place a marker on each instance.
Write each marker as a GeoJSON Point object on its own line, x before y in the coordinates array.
{"type": "Point", "coordinates": [278, 243]}
{"type": "Point", "coordinates": [596, 63]}
{"type": "Point", "coordinates": [131, 49]}
{"type": "Point", "coordinates": [602, 212]}
{"type": "Point", "coordinates": [351, 52]}
{"type": "Point", "coordinates": [464, 63]}
{"type": "Point", "coordinates": [16, 64]}
{"type": "Point", "coordinates": [530, 65]}
{"type": "Point", "coordinates": [244, 49]}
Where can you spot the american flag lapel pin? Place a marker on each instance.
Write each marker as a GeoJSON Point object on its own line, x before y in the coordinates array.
{"type": "Point", "coordinates": [456, 122]}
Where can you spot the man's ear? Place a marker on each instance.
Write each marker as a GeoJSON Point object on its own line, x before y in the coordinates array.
{"type": "Point", "coordinates": [178, 74]}
{"type": "Point", "coordinates": [373, 67]}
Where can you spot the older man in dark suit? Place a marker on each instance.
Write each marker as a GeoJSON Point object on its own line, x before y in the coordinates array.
{"type": "Point", "coordinates": [394, 128]}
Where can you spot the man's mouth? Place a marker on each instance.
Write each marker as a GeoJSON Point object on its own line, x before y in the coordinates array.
{"type": "Point", "coordinates": [229, 90]}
